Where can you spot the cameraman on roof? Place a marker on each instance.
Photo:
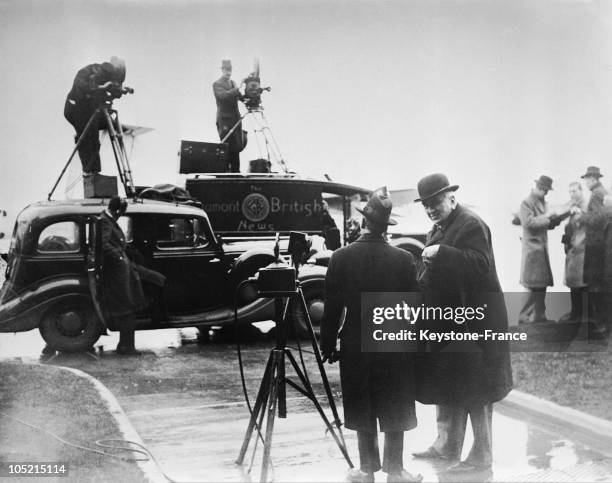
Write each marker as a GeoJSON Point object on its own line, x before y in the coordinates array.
{"type": "Point", "coordinates": [93, 85]}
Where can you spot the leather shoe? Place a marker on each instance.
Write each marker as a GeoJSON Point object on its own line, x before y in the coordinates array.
{"type": "Point", "coordinates": [358, 476]}
{"type": "Point", "coordinates": [404, 477]}
{"type": "Point", "coordinates": [431, 453]}
{"type": "Point", "coordinates": [468, 467]}
{"type": "Point", "coordinates": [128, 351]}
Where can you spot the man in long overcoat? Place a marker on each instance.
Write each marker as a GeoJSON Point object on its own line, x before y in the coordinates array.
{"type": "Point", "coordinates": [536, 274]}
{"type": "Point", "coordinates": [574, 239]}
{"type": "Point", "coordinates": [376, 387]}
{"type": "Point", "coordinates": [596, 221]}
{"type": "Point", "coordinates": [227, 95]}
{"type": "Point", "coordinates": [123, 292]}
{"type": "Point", "coordinates": [459, 271]}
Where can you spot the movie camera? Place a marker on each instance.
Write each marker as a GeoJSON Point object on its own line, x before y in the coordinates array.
{"type": "Point", "coordinates": [252, 91]}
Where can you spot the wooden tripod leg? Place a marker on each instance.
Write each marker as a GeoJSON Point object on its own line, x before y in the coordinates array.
{"type": "Point", "coordinates": [272, 402]}
{"type": "Point", "coordinates": [262, 397]}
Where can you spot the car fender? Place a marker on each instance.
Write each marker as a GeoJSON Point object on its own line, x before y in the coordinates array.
{"type": "Point", "coordinates": [22, 312]}
{"type": "Point", "coordinates": [310, 274]}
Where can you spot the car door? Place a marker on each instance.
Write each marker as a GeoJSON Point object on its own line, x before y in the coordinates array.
{"type": "Point", "coordinates": [94, 268]}
{"type": "Point", "coordinates": [185, 251]}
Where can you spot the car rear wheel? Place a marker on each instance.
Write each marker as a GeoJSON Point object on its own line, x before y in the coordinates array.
{"type": "Point", "coordinates": [71, 325]}
{"type": "Point", "coordinates": [314, 295]}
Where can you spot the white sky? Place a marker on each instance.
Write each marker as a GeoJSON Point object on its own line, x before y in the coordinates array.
{"type": "Point", "coordinates": [494, 93]}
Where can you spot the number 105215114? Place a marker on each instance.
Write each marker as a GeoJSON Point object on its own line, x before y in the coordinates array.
{"type": "Point", "coordinates": [31, 469]}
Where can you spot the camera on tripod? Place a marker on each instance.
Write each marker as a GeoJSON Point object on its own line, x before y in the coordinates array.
{"type": "Point", "coordinates": [252, 91]}
{"type": "Point", "coordinates": [279, 278]}
{"type": "Point", "coordinates": [112, 90]}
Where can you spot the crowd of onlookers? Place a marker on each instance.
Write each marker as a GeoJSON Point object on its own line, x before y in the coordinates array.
{"type": "Point", "coordinates": [587, 240]}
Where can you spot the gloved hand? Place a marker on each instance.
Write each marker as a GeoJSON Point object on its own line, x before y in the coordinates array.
{"type": "Point", "coordinates": [330, 356]}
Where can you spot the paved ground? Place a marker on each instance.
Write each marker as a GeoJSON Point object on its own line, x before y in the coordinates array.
{"type": "Point", "coordinates": [186, 402]}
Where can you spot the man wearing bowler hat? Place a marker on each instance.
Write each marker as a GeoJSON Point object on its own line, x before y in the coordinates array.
{"type": "Point", "coordinates": [596, 219]}
{"type": "Point", "coordinates": [536, 273]}
{"type": "Point", "coordinates": [459, 271]}
{"type": "Point", "coordinates": [377, 388]}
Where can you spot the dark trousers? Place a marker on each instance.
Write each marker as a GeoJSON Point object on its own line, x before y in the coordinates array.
{"type": "Point", "coordinates": [233, 162]}
{"type": "Point", "coordinates": [598, 309]}
{"type": "Point", "coordinates": [534, 306]}
{"type": "Point", "coordinates": [452, 421]}
{"type": "Point", "coordinates": [369, 456]}
{"type": "Point", "coordinates": [89, 149]}
{"type": "Point", "coordinates": [578, 307]}
{"type": "Point", "coordinates": [127, 325]}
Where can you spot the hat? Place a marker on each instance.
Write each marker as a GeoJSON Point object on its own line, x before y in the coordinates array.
{"type": "Point", "coordinates": [378, 208]}
{"type": "Point", "coordinates": [118, 74]}
{"type": "Point", "coordinates": [432, 185]}
{"type": "Point", "coordinates": [226, 64]}
{"type": "Point", "coordinates": [592, 171]}
{"type": "Point", "coordinates": [544, 182]}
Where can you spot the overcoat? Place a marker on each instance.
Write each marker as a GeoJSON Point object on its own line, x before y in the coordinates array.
{"type": "Point", "coordinates": [574, 239]}
{"type": "Point", "coordinates": [228, 114]}
{"type": "Point", "coordinates": [535, 262]}
{"type": "Point", "coordinates": [122, 285]}
{"type": "Point", "coordinates": [463, 274]}
{"type": "Point", "coordinates": [595, 240]}
{"type": "Point", "coordinates": [374, 385]}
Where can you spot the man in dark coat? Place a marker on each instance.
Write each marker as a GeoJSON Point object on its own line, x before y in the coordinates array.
{"type": "Point", "coordinates": [227, 95]}
{"type": "Point", "coordinates": [90, 89]}
{"type": "Point", "coordinates": [536, 273]}
{"type": "Point", "coordinates": [596, 220]}
{"type": "Point", "coordinates": [459, 271]}
{"type": "Point", "coordinates": [375, 386]}
{"type": "Point", "coordinates": [123, 292]}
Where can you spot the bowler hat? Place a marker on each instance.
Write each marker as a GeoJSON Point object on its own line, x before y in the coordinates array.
{"type": "Point", "coordinates": [544, 182]}
{"type": "Point", "coordinates": [592, 171]}
{"type": "Point", "coordinates": [433, 185]}
{"type": "Point", "coordinates": [378, 208]}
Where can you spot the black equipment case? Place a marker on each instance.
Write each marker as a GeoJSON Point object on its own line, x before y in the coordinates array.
{"type": "Point", "coordinates": [198, 157]}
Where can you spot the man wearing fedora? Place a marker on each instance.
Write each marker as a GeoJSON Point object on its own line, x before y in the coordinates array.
{"type": "Point", "coordinates": [596, 219]}
{"type": "Point", "coordinates": [459, 271]}
{"type": "Point", "coordinates": [377, 388]}
{"type": "Point", "coordinates": [227, 95]}
{"type": "Point", "coordinates": [536, 273]}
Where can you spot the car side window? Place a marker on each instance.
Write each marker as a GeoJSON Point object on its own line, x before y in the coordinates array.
{"type": "Point", "coordinates": [125, 223]}
{"type": "Point", "coordinates": [181, 233]}
{"type": "Point", "coordinates": [62, 237]}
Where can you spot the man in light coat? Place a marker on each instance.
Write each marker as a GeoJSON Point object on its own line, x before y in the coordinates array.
{"type": "Point", "coordinates": [377, 388]}
{"type": "Point", "coordinates": [459, 271]}
{"type": "Point", "coordinates": [574, 243]}
{"type": "Point", "coordinates": [536, 274]}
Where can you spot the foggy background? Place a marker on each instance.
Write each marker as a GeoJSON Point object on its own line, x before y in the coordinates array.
{"type": "Point", "coordinates": [493, 93]}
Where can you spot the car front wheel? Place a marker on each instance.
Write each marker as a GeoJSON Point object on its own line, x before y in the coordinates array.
{"type": "Point", "coordinates": [71, 325]}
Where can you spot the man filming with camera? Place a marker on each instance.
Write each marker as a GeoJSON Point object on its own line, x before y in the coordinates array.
{"type": "Point", "coordinates": [227, 95]}
{"type": "Point", "coordinates": [94, 85]}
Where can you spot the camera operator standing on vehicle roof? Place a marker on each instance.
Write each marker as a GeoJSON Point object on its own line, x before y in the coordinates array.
{"type": "Point", "coordinates": [93, 85]}
{"type": "Point", "coordinates": [227, 96]}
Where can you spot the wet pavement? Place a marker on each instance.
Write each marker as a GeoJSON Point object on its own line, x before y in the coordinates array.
{"type": "Point", "coordinates": [186, 402]}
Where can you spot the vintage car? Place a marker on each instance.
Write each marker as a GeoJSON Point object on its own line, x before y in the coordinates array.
{"type": "Point", "coordinates": [54, 268]}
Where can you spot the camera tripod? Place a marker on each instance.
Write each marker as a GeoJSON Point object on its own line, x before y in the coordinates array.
{"type": "Point", "coordinates": [261, 126]}
{"type": "Point", "coordinates": [272, 391]}
{"type": "Point", "coordinates": [111, 119]}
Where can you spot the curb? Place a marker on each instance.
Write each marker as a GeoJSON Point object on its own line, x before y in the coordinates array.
{"type": "Point", "coordinates": [592, 427]}
{"type": "Point", "coordinates": [149, 468]}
